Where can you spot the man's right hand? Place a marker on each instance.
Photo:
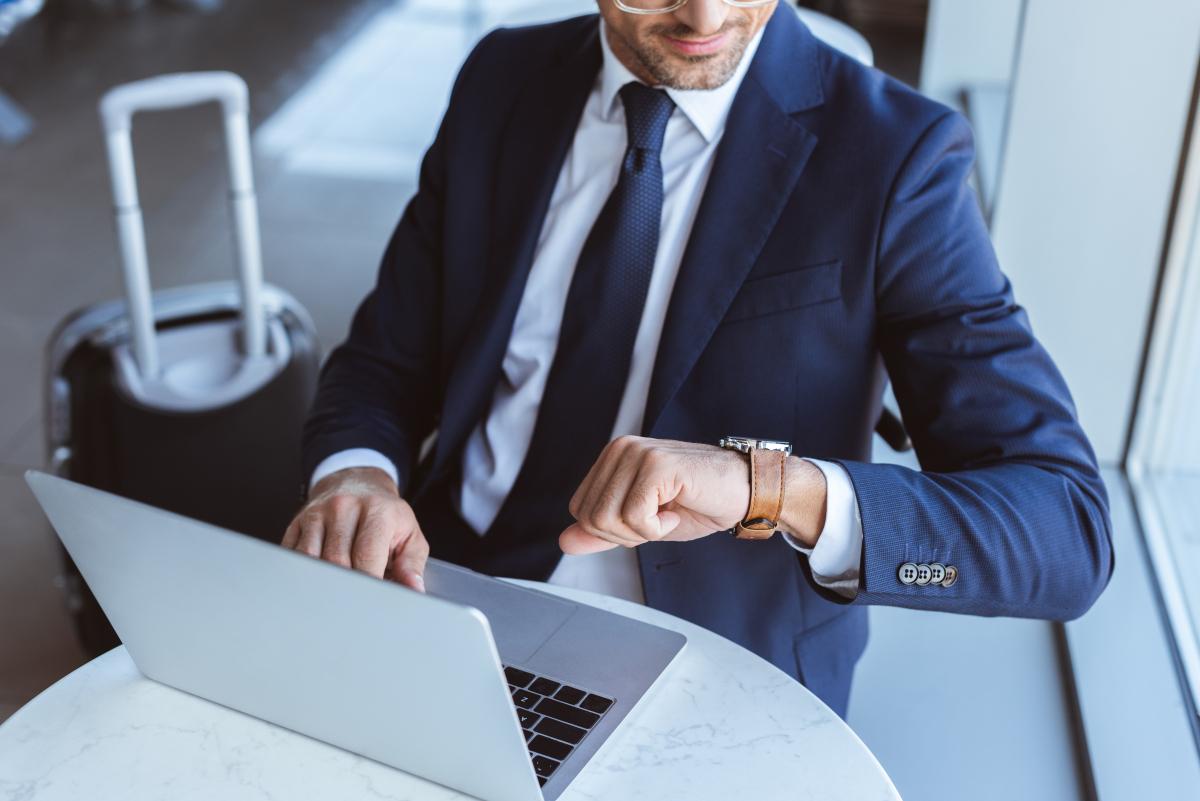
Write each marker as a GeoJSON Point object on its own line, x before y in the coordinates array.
{"type": "Point", "coordinates": [356, 518]}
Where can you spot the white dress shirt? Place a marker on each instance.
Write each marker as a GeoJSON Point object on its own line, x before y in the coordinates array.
{"type": "Point", "coordinates": [497, 447]}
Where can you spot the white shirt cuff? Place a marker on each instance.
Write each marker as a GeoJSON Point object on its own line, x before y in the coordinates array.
{"type": "Point", "coordinates": [354, 457]}
{"type": "Point", "coordinates": [835, 559]}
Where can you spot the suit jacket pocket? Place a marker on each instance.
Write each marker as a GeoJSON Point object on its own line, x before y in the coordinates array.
{"type": "Point", "coordinates": [803, 286]}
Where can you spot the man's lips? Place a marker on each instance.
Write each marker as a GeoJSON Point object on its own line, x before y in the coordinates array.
{"type": "Point", "coordinates": [698, 47]}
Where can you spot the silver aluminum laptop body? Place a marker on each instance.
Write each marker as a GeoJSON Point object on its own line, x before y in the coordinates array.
{"type": "Point", "coordinates": [410, 680]}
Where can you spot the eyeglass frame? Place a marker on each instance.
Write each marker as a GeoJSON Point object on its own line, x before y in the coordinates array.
{"type": "Point", "coordinates": [681, 3]}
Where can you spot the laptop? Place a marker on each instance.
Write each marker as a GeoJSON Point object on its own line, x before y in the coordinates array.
{"type": "Point", "coordinates": [496, 690]}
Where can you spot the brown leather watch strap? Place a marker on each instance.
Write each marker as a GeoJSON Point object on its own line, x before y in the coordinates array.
{"type": "Point", "coordinates": [767, 484]}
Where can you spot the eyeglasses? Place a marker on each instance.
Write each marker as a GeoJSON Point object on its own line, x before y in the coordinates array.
{"type": "Point", "coordinates": [667, 6]}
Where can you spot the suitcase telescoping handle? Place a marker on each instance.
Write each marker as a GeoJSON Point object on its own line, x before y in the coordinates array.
{"type": "Point", "coordinates": [117, 108]}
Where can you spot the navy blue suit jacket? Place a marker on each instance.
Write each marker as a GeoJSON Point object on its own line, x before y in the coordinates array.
{"type": "Point", "coordinates": [837, 243]}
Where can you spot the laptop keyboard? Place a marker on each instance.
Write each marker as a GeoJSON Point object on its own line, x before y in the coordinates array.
{"type": "Point", "coordinates": [554, 716]}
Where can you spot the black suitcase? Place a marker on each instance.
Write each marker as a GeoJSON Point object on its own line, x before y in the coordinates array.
{"type": "Point", "coordinates": [189, 399]}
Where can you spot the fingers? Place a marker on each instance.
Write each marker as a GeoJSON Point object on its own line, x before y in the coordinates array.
{"type": "Point", "coordinates": [312, 532]}
{"type": "Point", "coordinates": [363, 526]}
{"type": "Point", "coordinates": [597, 479]}
{"type": "Point", "coordinates": [408, 561]}
{"type": "Point", "coordinates": [341, 525]}
{"type": "Point", "coordinates": [621, 500]}
{"type": "Point", "coordinates": [292, 534]}
{"type": "Point", "coordinates": [379, 528]}
{"type": "Point", "coordinates": [597, 503]}
{"type": "Point", "coordinates": [642, 506]}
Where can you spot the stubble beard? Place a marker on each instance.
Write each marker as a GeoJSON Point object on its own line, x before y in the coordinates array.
{"type": "Point", "coordinates": [705, 72]}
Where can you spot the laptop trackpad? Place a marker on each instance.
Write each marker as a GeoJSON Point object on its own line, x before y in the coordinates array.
{"type": "Point", "coordinates": [521, 619]}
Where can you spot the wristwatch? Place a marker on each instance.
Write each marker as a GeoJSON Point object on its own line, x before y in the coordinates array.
{"type": "Point", "coordinates": [768, 463]}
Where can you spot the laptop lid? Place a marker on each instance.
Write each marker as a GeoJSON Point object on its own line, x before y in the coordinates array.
{"type": "Point", "coordinates": [368, 665]}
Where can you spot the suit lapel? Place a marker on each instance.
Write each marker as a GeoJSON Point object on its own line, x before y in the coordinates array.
{"type": "Point", "coordinates": [537, 138]}
{"type": "Point", "coordinates": [756, 169]}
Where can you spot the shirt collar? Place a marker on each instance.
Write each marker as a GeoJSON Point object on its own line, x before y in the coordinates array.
{"type": "Point", "coordinates": [706, 109]}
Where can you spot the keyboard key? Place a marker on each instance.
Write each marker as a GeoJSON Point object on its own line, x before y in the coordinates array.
{"type": "Point", "coordinates": [541, 781]}
{"type": "Point", "coordinates": [527, 718]}
{"type": "Point", "coordinates": [569, 695]}
{"type": "Point", "coordinates": [596, 703]}
{"type": "Point", "coordinates": [528, 735]}
{"type": "Point", "coordinates": [571, 714]}
{"type": "Point", "coordinates": [525, 699]}
{"type": "Point", "coordinates": [551, 748]}
{"type": "Point", "coordinates": [543, 766]}
{"type": "Point", "coordinates": [560, 730]}
{"type": "Point", "coordinates": [544, 686]}
{"type": "Point", "coordinates": [518, 677]}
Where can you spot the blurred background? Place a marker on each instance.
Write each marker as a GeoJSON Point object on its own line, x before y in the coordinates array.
{"type": "Point", "coordinates": [1088, 170]}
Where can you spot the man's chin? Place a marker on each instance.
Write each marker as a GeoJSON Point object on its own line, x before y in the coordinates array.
{"type": "Point", "coordinates": [696, 72]}
{"type": "Point", "coordinates": [696, 77]}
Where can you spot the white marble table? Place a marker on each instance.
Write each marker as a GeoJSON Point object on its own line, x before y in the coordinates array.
{"type": "Point", "coordinates": [721, 724]}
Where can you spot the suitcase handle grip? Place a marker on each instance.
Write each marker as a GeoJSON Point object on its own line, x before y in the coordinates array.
{"type": "Point", "coordinates": [117, 108]}
{"type": "Point", "coordinates": [173, 91]}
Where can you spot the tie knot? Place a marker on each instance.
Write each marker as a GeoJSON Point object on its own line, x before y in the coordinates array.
{"type": "Point", "coordinates": [646, 113]}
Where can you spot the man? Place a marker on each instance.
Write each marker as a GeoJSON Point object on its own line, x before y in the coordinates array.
{"type": "Point", "coordinates": [640, 233]}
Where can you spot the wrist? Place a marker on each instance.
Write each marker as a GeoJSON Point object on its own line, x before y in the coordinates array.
{"type": "Point", "coordinates": [803, 514]}
{"type": "Point", "coordinates": [356, 480]}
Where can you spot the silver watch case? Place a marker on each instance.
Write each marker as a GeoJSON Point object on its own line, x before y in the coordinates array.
{"type": "Point", "coordinates": [744, 444]}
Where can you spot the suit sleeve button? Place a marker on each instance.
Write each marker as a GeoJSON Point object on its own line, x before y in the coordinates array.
{"type": "Point", "coordinates": [937, 573]}
{"type": "Point", "coordinates": [907, 573]}
{"type": "Point", "coordinates": [951, 576]}
{"type": "Point", "coordinates": [923, 575]}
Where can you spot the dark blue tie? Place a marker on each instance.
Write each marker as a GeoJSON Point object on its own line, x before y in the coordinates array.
{"type": "Point", "coordinates": [595, 345]}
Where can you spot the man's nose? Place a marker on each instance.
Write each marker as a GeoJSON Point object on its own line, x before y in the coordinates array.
{"type": "Point", "coordinates": [705, 17]}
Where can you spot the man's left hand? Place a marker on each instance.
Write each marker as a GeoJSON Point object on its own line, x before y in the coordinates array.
{"type": "Point", "coordinates": [645, 490]}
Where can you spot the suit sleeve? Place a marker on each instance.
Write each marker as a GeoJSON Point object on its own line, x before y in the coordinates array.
{"type": "Point", "coordinates": [377, 390]}
{"type": "Point", "coordinates": [1009, 491]}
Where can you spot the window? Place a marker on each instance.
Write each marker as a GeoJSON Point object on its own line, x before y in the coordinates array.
{"type": "Point", "coordinates": [1164, 456]}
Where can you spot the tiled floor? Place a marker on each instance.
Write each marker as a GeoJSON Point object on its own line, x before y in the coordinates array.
{"type": "Point", "coordinates": [345, 96]}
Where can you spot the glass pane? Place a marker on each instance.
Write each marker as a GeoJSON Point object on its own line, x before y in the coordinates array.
{"type": "Point", "coordinates": [1165, 457]}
